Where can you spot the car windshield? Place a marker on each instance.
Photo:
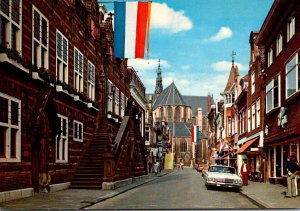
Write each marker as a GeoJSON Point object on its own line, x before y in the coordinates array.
{"type": "Point", "coordinates": [222, 169]}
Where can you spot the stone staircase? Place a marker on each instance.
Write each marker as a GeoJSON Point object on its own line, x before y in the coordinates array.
{"type": "Point", "coordinates": [90, 171]}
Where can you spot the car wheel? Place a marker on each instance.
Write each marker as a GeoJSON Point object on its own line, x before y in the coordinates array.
{"type": "Point", "coordinates": [208, 187]}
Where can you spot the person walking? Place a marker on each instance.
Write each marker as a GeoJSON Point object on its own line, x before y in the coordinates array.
{"type": "Point", "coordinates": [245, 170]}
{"type": "Point", "coordinates": [291, 167]}
{"type": "Point", "coordinates": [156, 167]}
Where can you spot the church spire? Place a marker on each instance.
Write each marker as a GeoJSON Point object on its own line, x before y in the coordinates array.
{"type": "Point", "coordinates": [159, 86]}
{"type": "Point", "coordinates": [233, 54]}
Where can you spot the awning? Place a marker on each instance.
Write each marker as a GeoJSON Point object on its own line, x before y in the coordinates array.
{"type": "Point", "coordinates": [246, 145]}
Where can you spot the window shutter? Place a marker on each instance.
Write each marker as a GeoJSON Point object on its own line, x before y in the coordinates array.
{"type": "Point", "coordinates": [85, 74]}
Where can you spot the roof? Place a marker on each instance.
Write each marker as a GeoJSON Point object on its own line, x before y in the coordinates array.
{"type": "Point", "coordinates": [197, 102]}
{"type": "Point", "coordinates": [182, 129]}
{"type": "Point", "coordinates": [234, 72]}
{"type": "Point", "coordinates": [169, 96]}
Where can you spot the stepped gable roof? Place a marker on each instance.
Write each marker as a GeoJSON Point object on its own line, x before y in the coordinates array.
{"type": "Point", "coordinates": [182, 129]}
{"type": "Point", "coordinates": [196, 102]}
{"type": "Point", "coordinates": [169, 96]}
{"type": "Point", "coordinates": [234, 72]}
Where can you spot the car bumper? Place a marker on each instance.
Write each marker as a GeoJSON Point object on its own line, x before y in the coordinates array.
{"type": "Point", "coordinates": [226, 185]}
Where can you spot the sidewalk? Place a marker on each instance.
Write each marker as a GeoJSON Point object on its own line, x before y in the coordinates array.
{"type": "Point", "coordinates": [72, 198]}
{"type": "Point", "coordinates": [263, 194]}
{"type": "Point", "coordinates": [270, 195]}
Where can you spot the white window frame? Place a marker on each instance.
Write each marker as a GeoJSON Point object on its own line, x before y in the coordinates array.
{"type": "Point", "coordinates": [229, 129]}
{"type": "Point", "coordinates": [77, 134]}
{"type": "Point", "coordinates": [270, 57]}
{"type": "Point", "coordinates": [258, 112]}
{"type": "Point", "coordinates": [8, 125]}
{"type": "Point", "coordinates": [270, 89]}
{"type": "Point", "coordinates": [78, 70]}
{"type": "Point", "coordinates": [122, 104]}
{"type": "Point", "coordinates": [91, 80]}
{"type": "Point", "coordinates": [8, 27]}
{"type": "Point", "coordinates": [292, 71]}
{"type": "Point", "coordinates": [249, 120]}
{"type": "Point", "coordinates": [41, 55]}
{"type": "Point", "coordinates": [279, 44]}
{"type": "Point", "coordinates": [109, 97]}
{"type": "Point", "coordinates": [291, 28]}
{"type": "Point", "coordinates": [252, 82]}
{"type": "Point", "coordinates": [62, 60]}
{"type": "Point", "coordinates": [253, 114]}
{"type": "Point", "coordinates": [61, 145]}
{"type": "Point", "coordinates": [117, 100]}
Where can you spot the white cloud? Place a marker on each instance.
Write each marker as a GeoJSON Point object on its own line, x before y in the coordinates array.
{"type": "Point", "coordinates": [224, 33]}
{"type": "Point", "coordinates": [147, 64]}
{"type": "Point", "coordinates": [185, 67]}
{"type": "Point", "coordinates": [226, 66]}
{"type": "Point", "coordinates": [164, 17]}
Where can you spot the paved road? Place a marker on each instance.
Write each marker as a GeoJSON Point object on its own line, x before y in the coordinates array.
{"type": "Point", "coordinates": [182, 189]}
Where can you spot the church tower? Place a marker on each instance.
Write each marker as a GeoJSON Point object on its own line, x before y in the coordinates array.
{"type": "Point", "coordinates": [159, 86]}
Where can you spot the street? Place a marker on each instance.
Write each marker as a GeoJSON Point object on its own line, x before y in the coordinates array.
{"type": "Point", "coordinates": [182, 189]}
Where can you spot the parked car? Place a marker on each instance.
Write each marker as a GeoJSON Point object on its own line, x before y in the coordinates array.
{"type": "Point", "coordinates": [222, 176]}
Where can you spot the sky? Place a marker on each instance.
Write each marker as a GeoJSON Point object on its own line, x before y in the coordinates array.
{"type": "Point", "coordinates": [194, 40]}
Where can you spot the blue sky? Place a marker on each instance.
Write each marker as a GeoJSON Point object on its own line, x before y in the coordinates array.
{"type": "Point", "coordinates": [194, 40]}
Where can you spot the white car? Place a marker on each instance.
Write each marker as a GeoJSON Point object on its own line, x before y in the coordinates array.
{"type": "Point", "coordinates": [222, 176]}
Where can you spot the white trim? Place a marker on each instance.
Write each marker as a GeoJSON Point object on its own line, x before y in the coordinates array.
{"type": "Point", "coordinates": [91, 83]}
{"type": "Point", "coordinates": [60, 70]}
{"type": "Point", "coordinates": [59, 143]}
{"type": "Point", "coordinates": [46, 65]}
{"type": "Point", "coordinates": [9, 126]}
{"type": "Point", "coordinates": [78, 82]}
{"type": "Point", "coordinates": [76, 124]}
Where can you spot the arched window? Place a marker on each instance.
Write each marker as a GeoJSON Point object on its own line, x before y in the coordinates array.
{"type": "Point", "coordinates": [177, 114]}
{"type": "Point", "coordinates": [161, 113]}
{"type": "Point", "coordinates": [170, 114]}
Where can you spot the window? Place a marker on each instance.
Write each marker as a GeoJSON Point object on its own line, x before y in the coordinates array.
{"type": "Point", "coordinates": [78, 131]}
{"type": "Point", "coordinates": [273, 94]}
{"type": "Point", "coordinates": [10, 24]}
{"type": "Point", "coordinates": [78, 70]}
{"type": "Point", "coordinates": [292, 76]}
{"type": "Point", "coordinates": [249, 120]}
{"type": "Point", "coordinates": [109, 97]}
{"type": "Point", "coordinates": [170, 113]}
{"type": "Point", "coordinates": [278, 45]}
{"type": "Point", "coordinates": [258, 112]}
{"type": "Point", "coordinates": [40, 39]}
{"type": "Point", "coordinates": [117, 100]}
{"type": "Point", "coordinates": [61, 57]}
{"type": "Point", "coordinates": [270, 57]}
{"type": "Point", "coordinates": [252, 82]}
{"type": "Point", "coordinates": [122, 104]}
{"type": "Point", "coordinates": [10, 129]}
{"type": "Point", "coordinates": [291, 28]}
{"type": "Point", "coordinates": [228, 126]}
{"type": "Point", "coordinates": [61, 145]}
{"type": "Point", "coordinates": [253, 113]}
{"type": "Point", "coordinates": [177, 114]}
{"type": "Point", "coordinates": [183, 146]}
{"type": "Point", "coordinates": [91, 81]}
{"type": "Point", "coordinates": [147, 135]}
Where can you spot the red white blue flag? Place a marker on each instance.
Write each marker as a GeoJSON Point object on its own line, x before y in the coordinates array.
{"type": "Point", "coordinates": [131, 27]}
{"type": "Point", "coordinates": [195, 133]}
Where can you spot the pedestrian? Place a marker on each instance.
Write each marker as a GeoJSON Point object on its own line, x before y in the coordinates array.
{"type": "Point", "coordinates": [156, 167]}
{"type": "Point", "coordinates": [181, 164]}
{"type": "Point", "coordinates": [245, 171]}
{"type": "Point", "coordinates": [150, 164]}
{"type": "Point", "coordinates": [291, 167]}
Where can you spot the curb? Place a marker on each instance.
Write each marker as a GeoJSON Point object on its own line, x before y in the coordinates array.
{"type": "Point", "coordinates": [108, 196]}
{"type": "Point", "coordinates": [256, 201]}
